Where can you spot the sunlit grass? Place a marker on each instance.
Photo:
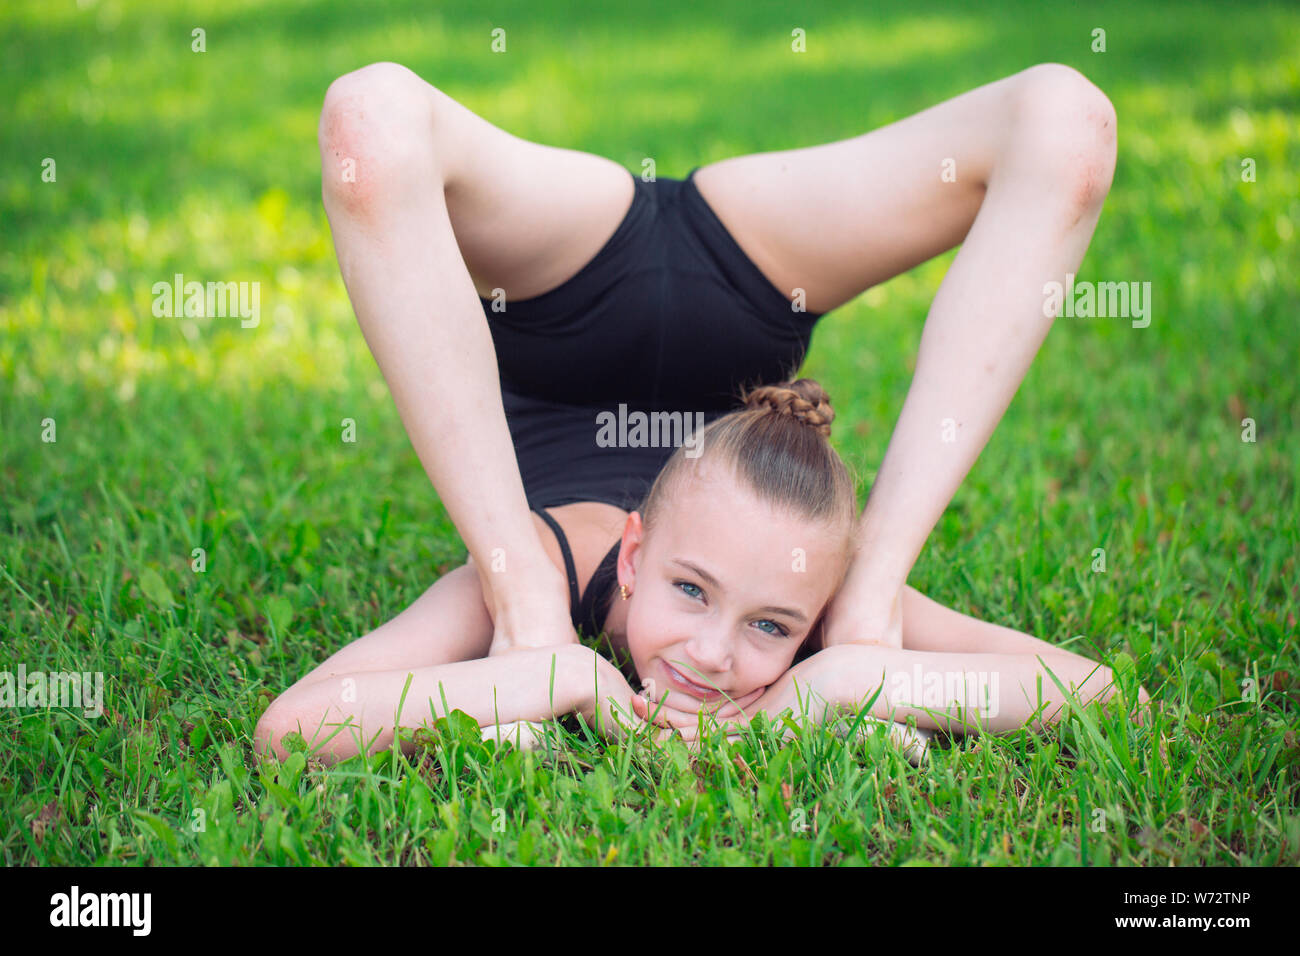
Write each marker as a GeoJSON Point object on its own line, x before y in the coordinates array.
{"type": "Point", "coordinates": [175, 433]}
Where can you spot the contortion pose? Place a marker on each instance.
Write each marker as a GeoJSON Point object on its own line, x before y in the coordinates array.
{"type": "Point", "coordinates": [555, 330]}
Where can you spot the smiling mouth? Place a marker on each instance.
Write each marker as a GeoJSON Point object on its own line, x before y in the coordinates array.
{"type": "Point", "coordinates": [705, 693]}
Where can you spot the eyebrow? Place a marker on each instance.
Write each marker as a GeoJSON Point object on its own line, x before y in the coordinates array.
{"type": "Point", "coordinates": [713, 582]}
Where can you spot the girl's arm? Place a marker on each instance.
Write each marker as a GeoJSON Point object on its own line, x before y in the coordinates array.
{"type": "Point", "coordinates": [950, 664]}
{"type": "Point", "coordinates": [963, 692]}
{"type": "Point", "coordinates": [1000, 668]}
{"type": "Point", "coordinates": [336, 714]}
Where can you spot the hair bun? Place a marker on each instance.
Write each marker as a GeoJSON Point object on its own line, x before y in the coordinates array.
{"type": "Point", "coordinates": [803, 400]}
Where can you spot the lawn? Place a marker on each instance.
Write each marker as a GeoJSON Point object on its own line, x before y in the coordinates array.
{"type": "Point", "coordinates": [176, 434]}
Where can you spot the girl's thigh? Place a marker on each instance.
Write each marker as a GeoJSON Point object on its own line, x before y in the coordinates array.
{"type": "Point", "coordinates": [526, 216]}
{"type": "Point", "coordinates": [836, 218]}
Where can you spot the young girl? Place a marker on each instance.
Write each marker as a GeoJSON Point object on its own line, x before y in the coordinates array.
{"type": "Point", "coordinates": [606, 303]}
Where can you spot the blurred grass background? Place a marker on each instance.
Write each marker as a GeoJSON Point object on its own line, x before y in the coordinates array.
{"type": "Point", "coordinates": [183, 433]}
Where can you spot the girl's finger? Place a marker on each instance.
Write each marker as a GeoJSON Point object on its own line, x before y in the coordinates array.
{"type": "Point", "coordinates": [733, 707]}
{"type": "Point", "coordinates": [651, 712]}
{"type": "Point", "coordinates": [656, 714]}
{"type": "Point", "coordinates": [665, 714]}
{"type": "Point", "coordinates": [731, 710]}
{"type": "Point", "coordinates": [732, 730]}
{"type": "Point", "coordinates": [658, 730]}
{"type": "Point", "coordinates": [684, 718]}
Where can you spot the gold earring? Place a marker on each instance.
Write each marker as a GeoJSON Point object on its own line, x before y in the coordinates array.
{"type": "Point", "coordinates": [622, 589]}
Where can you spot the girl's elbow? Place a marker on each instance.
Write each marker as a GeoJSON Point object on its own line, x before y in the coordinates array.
{"type": "Point", "coordinates": [268, 735]}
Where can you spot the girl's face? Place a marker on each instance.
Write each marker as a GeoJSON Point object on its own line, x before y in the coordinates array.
{"type": "Point", "coordinates": [724, 593]}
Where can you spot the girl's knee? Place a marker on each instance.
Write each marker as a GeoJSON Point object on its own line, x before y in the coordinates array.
{"type": "Point", "coordinates": [1068, 127]}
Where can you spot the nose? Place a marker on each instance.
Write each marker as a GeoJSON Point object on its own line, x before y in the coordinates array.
{"type": "Point", "coordinates": [709, 652]}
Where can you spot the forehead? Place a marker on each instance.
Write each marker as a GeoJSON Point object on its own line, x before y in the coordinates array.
{"type": "Point", "coordinates": [752, 548]}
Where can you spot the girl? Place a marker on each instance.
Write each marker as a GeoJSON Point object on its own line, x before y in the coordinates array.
{"type": "Point", "coordinates": [746, 580]}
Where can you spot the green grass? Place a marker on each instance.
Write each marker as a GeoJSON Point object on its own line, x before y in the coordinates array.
{"type": "Point", "coordinates": [178, 434]}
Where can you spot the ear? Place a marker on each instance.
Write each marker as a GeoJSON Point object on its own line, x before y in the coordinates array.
{"type": "Point", "coordinates": [633, 537]}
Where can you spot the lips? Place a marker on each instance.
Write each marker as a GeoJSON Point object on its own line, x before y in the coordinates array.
{"type": "Point", "coordinates": [687, 686]}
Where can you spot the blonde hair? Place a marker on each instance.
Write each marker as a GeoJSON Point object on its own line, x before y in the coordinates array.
{"type": "Point", "coordinates": [777, 447]}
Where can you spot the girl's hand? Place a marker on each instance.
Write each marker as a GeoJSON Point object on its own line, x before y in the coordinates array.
{"type": "Point", "coordinates": [800, 690]}
{"type": "Point", "coordinates": [603, 686]}
{"type": "Point", "coordinates": [685, 723]}
{"type": "Point", "coordinates": [582, 678]}
{"type": "Point", "coordinates": [681, 711]}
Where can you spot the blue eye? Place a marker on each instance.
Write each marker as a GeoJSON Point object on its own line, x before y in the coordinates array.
{"type": "Point", "coordinates": [779, 632]}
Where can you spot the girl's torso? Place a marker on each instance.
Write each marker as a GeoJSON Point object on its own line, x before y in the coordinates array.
{"type": "Point", "coordinates": [604, 375]}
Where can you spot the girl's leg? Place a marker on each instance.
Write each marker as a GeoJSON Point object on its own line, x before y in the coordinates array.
{"type": "Point", "coordinates": [838, 218]}
{"type": "Point", "coordinates": [430, 204]}
{"type": "Point", "coordinates": [1016, 171]}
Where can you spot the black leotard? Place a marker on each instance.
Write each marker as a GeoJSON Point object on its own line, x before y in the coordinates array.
{"type": "Point", "coordinates": [669, 316]}
{"type": "Point", "coordinates": [589, 613]}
